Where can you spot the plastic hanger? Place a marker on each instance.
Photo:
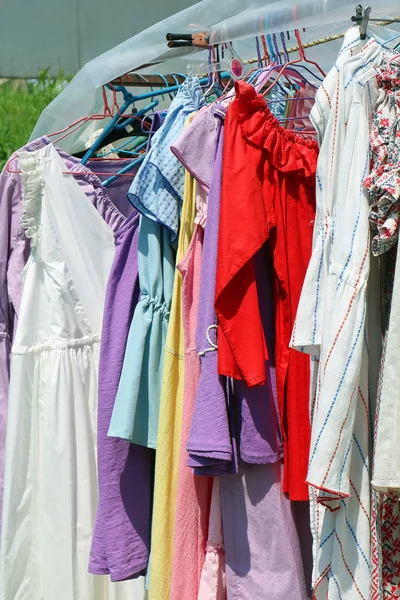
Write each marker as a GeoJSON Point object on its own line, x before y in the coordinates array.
{"type": "Point", "coordinates": [107, 113]}
{"type": "Point", "coordinates": [125, 171]}
{"type": "Point", "coordinates": [299, 66]}
{"type": "Point", "coordinates": [301, 58]}
{"type": "Point", "coordinates": [137, 144]}
{"type": "Point", "coordinates": [129, 100]}
{"type": "Point", "coordinates": [384, 42]}
{"type": "Point", "coordinates": [292, 72]}
{"type": "Point", "coordinates": [138, 161]}
{"type": "Point", "coordinates": [212, 66]}
{"type": "Point", "coordinates": [121, 126]}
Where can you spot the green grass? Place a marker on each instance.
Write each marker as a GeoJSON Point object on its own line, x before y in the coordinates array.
{"type": "Point", "coordinates": [20, 107]}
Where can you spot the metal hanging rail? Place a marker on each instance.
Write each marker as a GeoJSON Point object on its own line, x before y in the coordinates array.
{"type": "Point", "coordinates": [156, 80]}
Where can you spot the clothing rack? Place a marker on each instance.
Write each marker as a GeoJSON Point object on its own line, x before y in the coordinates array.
{"type": "Point", "coordinates": [158, 80]}
{"type": "Point", "coordinates": [327, 39]}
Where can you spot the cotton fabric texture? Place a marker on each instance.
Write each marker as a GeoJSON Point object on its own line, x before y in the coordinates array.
{"type": "Point", "coordinates": [158, 192]}
{"type": "Point", "coordinates": [53, 391]}
{"type": "Point", "coordinates": [209, 443]}
{"type": "Point", "coordinates": [196, 148]}
{"type": "Point", "coordinates": [384, 215]}
{"type": "Point", "coordinates": [170, 421]}
{"type": "Point", "coordinates": [262, 551]}
{"type": "Point", "coordinates": [213, 580]}
{"type": "Point", "coordinates": [332, 324]}
{"type": "Point", "coordinates": [382, 183]}
{"type": "Point", "coordinates": [257, 413]}
{"type": "Point", "coordinates": [136, 408]}
{"type": "Point", "coordinates": [193, 493]}
{"type": "Point", "coordinates": [121, 537]}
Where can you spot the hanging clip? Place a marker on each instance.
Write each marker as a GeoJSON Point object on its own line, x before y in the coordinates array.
{"type": "Point", "coordinates": [362, 18]}
{"type": "Point", "coordinates": [177, 40]}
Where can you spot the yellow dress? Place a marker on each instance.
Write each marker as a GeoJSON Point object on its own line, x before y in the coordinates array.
{"type": "Point", "coordinates": [170, 420]}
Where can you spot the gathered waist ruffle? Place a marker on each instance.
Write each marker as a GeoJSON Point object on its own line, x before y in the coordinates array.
{"type": "Point", "coordinates": [156, 304]}
{"type": "Point", "coordinates": [58, 345]}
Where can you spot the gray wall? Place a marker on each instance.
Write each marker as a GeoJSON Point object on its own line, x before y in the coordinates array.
{"type": "Point", "coordinates": [65, 34]}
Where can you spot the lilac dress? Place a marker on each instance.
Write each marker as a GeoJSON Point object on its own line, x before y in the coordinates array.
{"type": "Point", "coordinates": [258, 564]}
{"type": "Point", "coordinates": [121, 538]}
{"type": "Point", "coordinates": [211, 444]}
{"type": "Point", "coordinates": [262, 552]}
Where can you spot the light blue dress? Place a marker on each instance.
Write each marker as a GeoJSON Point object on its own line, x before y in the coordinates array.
{"type": "Point", "coordinates": [157, 192]}
{"type": "Point", "coordinates": [135, 414]}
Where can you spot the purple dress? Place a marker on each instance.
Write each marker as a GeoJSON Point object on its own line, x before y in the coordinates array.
{"type": "Point", "coordinates": [210, 447]}
{"type": "Point", "coordinates": [211, 443]}
{"type": "Point", "coordinates": [263, 558]}
{"type": "Point", "coordinates": [121, 537]}
{"type": "Point", "coordinates": [262, 552]}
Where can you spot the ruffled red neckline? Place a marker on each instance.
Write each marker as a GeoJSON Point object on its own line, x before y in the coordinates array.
{"type": "Point", "coordinates": [288, 151]}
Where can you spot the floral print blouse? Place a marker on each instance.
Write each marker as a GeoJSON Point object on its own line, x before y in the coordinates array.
{"type": "Point", "coordinates": [383, 181]}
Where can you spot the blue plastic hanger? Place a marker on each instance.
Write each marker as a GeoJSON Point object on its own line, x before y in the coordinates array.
{"type": "Point", "coordinates": [383, 43]}
{"type": "Point", "coordinates": [274, 53]}
{"type": "Point", "coordinates": [126, 169]}
{"type": "Point", "coordinates": [132, 151]}
{"type": "Point", "coordinates": [132, 98]}
{"type": "Point", "coordinates": [129, 99]}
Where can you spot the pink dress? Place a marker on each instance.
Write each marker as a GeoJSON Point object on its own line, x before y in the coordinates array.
{"type": "Point", "coordinates": [194, 492]}
{"type": "Point", "coordinates": [213, 581]}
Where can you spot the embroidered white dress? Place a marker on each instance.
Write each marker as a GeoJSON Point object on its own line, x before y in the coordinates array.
{"type": "Point", "coordinates": [332, 326]}
{"type": "Point", "coordinates": [50, 489]}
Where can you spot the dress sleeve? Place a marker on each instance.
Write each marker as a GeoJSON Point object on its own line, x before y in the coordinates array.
{"type": "Point", "coordinates": [8, 210]}
{"type": "Point", "coordinates": [196, 146]}
{"type": "Point", "coordinates": [10, 288]}
{"type": "Point", "coordinates": [243, 228]}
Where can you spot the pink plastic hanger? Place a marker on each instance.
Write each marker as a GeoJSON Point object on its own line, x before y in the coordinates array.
{"type": "Point", "coordinates": [107, 112]}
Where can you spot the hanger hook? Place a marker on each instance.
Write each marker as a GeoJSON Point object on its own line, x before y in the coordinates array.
{"type": "Point", "coordinates": [300, 44]}
{"type": "Point", "coordinates": [209, 72]}
{"type": "Point", "coordinates": [215, 61]}
{"type": "Point", "coordinates": [177, 82]}
{"type": "Point", "coordinates": [271, 48]}
{"type": "Point", "coordinates": [266, 55]}
{"type": "Point", "coordinates": [147, 81]}
{"type": "Point", "coordinates": [258, 54]}
{"type": "Point", "coordinates": [278, 54]}
{"type": "Point", "coordinates": [166, 83]}
{"type": "Point", "coordinates": [106, 107]}
{"type": "Point", "coordinates": [285, 50]}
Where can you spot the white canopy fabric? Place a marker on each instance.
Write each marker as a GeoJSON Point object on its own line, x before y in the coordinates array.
{"type": "Point", "coordinates": [224, 20]}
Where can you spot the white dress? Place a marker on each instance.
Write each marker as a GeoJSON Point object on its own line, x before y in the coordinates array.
{"type": "Point", "coordinates": [334, 326]}
{"type": "Point", "coordinates": [50, 489]}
